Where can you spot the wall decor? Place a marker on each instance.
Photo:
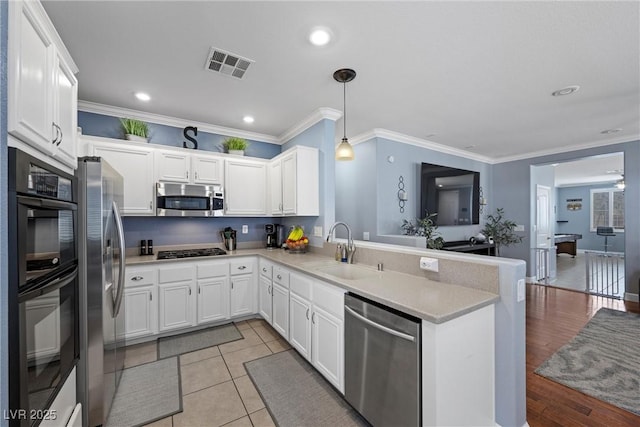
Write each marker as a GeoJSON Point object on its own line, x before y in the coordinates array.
{"type": "Point", "coordinates": [402, 194]}
{"type": "Point", "coordinates": [192, 139]}
{"type": "Point", "coordinates": [574, 204]}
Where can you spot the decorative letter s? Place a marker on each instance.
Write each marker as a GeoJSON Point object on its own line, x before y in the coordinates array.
{"type": "Point", "coordinates": [190, 138]}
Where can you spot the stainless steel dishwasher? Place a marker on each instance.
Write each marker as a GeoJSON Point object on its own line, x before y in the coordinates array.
{"type": "Point", "coordinates": [382, 363]}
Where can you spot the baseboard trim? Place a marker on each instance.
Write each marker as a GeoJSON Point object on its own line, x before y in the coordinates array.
{"type": "Point", "coordinates": [628, 296]}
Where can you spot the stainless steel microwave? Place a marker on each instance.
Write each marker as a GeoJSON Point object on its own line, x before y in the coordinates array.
{"type": "Point", "coordinates": [189, 200]}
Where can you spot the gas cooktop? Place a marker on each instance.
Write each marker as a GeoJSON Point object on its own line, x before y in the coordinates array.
{"type": "Point", "coordinates": [189, 253]}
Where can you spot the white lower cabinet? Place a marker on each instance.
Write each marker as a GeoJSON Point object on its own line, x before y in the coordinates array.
{"type": "Point", "coordinates": [243, 287]}
{"type": "Point", "coordinates": [280, 321]}
{"type": "Point", "coordinates": [213, 291]}
{"type": "Point", "coordinates": [177, 298]}
{"type": "Point", "coordinates": [265, 305]}
{"type": "Point", "coordinates": [316, 326]}
{"type": "Point", "coordinates": [140, 302]}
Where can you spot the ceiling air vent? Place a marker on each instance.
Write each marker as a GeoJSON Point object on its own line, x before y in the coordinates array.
{"type": "Point", "coordinates": [227, 63]}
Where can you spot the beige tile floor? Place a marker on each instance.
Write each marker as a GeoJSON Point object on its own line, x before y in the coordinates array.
{"type": "Point", "coordinates": [216, 390]}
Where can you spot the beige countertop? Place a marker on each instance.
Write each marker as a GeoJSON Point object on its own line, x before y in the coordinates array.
{"type": "Point", "coordinates": [432, 301]}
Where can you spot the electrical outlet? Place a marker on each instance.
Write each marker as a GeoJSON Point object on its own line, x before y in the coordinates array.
{"type": "Point", "coordinates": [519, 227]}
{"type": "Point", "coordinates": [317, 231]}
{"type": "Point", "coordinates": [245, 229]}
{"type": "Point", "coordinates": [430, 264]}
{"type": "Point", "coordinates": [520, 292]}
{"type": "Point", "coordinates": [365, 235]}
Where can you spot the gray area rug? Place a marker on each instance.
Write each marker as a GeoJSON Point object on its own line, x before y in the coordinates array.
{"type": "Point", "coordinates": [603, 360]}
{"type": "Point", "coordinates": [297, 395]}
{"type": "Point", "coordinates": [147, 393]}
{"type": "Point", "coordinates": [186, 343]}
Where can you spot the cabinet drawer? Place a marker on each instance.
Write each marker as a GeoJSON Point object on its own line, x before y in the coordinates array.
{"type": "Point", "coordinates": [329, 298]}
{"type": "Point", "coordinates": [204, 271]}
{"type": "Point", "coordinates": [301, 285]}
{"type": "Point", "coordinates": [241, 268]}
{"type": "Point", "coordinates": [281, 276]}
{"type": "Point", "coordinates": [175, 274]}
{"type": "Point", "coordinates": [135, 277]}
{"type": "Point", "coordinates": [266, 268]}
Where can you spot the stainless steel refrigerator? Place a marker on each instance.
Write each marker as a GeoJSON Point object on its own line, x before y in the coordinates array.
{"type": "Point", "coordinates": [102, 261]}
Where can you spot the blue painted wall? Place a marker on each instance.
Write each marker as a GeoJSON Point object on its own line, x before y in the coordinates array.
{"type": "Point", "coordinates": [109, 127]}
{"type": "Point", "coordinates": [367, 188]}
{"type": "Point", "coordinates": [512, 179]}
{"type": "Point", "coordinates": [4, 281]}
{"type": "Point", "coordinates": [580, 221]}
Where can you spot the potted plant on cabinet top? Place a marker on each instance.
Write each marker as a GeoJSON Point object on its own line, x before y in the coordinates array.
{"type": "Point", "coordinates": [500, 230]}
{"type": "Point", "coordinates": [135, 130]}
{"type": "Point", "coordinates": [424, 227]}
{"type": "Point", "coordinates": [235, 145]}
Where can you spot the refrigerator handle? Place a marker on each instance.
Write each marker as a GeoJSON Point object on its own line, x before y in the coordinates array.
{"type": "Point", "coordinates": [121, 272]}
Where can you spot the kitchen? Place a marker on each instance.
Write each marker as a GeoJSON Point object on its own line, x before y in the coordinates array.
{"type": "Point", "coordinates": [318, 131]}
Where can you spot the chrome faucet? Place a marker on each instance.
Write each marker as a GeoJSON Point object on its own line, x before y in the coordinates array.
{"type": "Point", "coordinates": [351, 247]}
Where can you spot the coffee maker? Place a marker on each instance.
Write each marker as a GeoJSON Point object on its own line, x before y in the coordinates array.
{"type": "Point", "coordinates": [271, 231]}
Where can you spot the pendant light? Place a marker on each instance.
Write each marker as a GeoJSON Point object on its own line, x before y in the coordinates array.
{"type": "Point", "coordinates": [344, 150]}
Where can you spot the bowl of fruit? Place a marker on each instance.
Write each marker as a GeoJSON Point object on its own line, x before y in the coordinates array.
{"type": "Point", "coordinates": [297, 242]}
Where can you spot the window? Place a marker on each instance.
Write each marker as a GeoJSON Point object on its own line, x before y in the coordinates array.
{"type": "Point", "coordinates": [607, 209]}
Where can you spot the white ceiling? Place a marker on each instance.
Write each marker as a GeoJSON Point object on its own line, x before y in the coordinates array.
{"type": "Point", "coordinates": [477, 76]}
{"type": "Point", "coordinates": [607, 168]}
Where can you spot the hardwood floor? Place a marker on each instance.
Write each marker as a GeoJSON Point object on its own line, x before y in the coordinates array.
{"type": "Point", "coordinates": [554, 316]}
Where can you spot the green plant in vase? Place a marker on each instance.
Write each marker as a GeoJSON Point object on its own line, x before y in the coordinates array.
{"type": "Point", "coordinates": [135, 128]}
{"type": "Point", "coordinates": [424, 227]}
{"type": "Point", "coordinates": [500, 230]}
{"type": "Point", "coordinates": [235, 145]}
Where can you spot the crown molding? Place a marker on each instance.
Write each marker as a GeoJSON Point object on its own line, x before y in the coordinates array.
{"type": "Point", "coordinates": [418, 142]}
{"type": "Point", "coordinates": [560, 150]}
{"type": "Point", "coordinates": [315, 117]}
{"type": "Point", "coordinates": [92, 107]}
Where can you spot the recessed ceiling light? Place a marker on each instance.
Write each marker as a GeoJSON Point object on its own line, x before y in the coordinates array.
{"type": "Point", "coordinates": [320, 36]}
{"type": "Point", "coordinates": [566, 90]}
{"type": "Point", "coordinates": [610, 131]}
{"type": "Point", "coordinates": [142, 96]}
{"type": "Point", "coordinates": [248, 119]}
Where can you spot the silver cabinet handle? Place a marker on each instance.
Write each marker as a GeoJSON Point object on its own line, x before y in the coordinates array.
{"type": "Point", "coordinates": [313, 317]}
{"type": "Point", "coordinates": [199, 289]}
{"type": "Point", "coordinates": [150, 297]}
{"type": "Point", "coordinates": [61, 135]}
{"type": "Point", "coordinates": [231, 285]}
{"type": "Point", "coordinates": [242, 267]}
{"type": "Point", "coordinates": [379, 326]}
{"type": "Point", "coordinates": [187, 174]}
{"type": "Point", "coordinates": [196, 175]}
{"type": "Point", "coordinates": [264, 269]}
{"type": "Point", "coordinates": [137, 278]}
{"type": "Point", "coordinates": [189, 291]}
{"type": "Point", "coordinates": [270, 290]}
{"type": "Point", "coordinates": [279, 277]}
{"type": "Point", "coordinates": [307, 314]}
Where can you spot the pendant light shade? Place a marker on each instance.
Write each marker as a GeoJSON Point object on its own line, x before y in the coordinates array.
{"type": "Point", "coordinates": [344, 150]}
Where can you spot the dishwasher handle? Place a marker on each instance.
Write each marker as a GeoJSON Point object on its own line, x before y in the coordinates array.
{"type": "Point", "coordinates": [380, 327]}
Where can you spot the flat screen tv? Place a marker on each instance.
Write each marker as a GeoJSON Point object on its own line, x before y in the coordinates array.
{"type": "Point", "coordinates": [454, 194]}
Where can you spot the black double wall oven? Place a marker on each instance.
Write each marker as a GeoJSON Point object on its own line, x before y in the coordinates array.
{"type": "Point", "coordinates": [43, 282]}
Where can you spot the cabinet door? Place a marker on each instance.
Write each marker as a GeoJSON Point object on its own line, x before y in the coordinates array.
{"type": "Point", "coordinates": [265, 298]}
{"type": "Point", "coordinates": [135, 164]}
{"type": "Point", "coordinates": [328, 346]}
{"type": "Point", "coordinates": [300, 325]}
{"type": "Point", "coordinates": [172, 166]}
{"type": "Point", "coordinates": [289, 184]}
{"type": "Point", "coordinates": [275, 187]}
{"type": "Point", "coordinates": [213, 299]}
{"type": "Point", "coordinates": [281, 310]}
{"type": "Point", "coordinates": [176, 305]}
{"type": "Point", "coordinates": [65, 113]}
{"type": "Point", "coordinates": [206, 169]}
{"type": "Point", "coordinates": [246, 188]}
{"type": "Point", "coordinates": [30, 76]}
{"type": "Point", "coordinates": [141, 311]}
{"type": "Point", "coordinates": [242, 295]}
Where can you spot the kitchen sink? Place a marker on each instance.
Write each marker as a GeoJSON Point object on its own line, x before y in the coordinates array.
{"type": "Point", "coordinates": [347, 271]}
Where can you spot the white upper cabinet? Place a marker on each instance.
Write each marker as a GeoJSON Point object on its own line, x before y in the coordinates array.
{"type": "Point", "coordinates": [43, 91]}
{"type": "Point", "coordinates": [246, 187]}
{"type": "Point", "coordinates": [295, 182]}
{"type": "Point", "coordinates": [135, 163]}
{"type": "Point", "coordinates": [179, 166]}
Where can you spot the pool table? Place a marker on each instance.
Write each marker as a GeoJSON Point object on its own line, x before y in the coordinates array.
{"type": "Point", "coordinates": [567, 243]}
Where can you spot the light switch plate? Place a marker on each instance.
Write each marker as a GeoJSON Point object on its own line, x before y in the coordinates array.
{"type": "Point", "coordinates": [520, 293]}
{"type": "Point", "coordinates": [245, 229]}
{"type": "Point", "coordinates": [317, 231]}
